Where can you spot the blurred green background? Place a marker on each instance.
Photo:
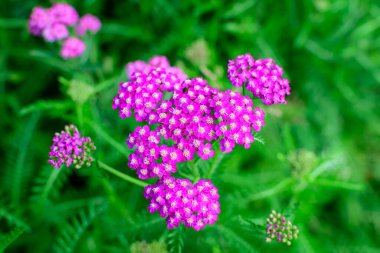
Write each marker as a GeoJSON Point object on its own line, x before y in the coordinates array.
{"type": "Point", "coordinates": [319, 164]}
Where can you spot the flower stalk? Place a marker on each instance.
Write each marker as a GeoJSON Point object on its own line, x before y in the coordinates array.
{"type": "Point", "coordinates": [121, 175]}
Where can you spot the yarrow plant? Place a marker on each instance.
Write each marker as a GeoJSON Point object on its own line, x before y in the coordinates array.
{"type": "Point", "coordinates": [184, 119]}
{"type": "Point", "coordinates": [280, 229]}
{"type": "Point", "coordinates": [70, 148]}
{"type": "Point", "coordinates": [192, 118]}
{"type": "Point", "coordinates": [61, 22]}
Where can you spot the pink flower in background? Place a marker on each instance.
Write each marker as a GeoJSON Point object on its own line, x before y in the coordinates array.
{"type": "Point", "coordinates": [38, 21]}
{"type": "Point", "coordinates": [53, 25]}
{"type": "Point", "coordinates": [55, 32]}
{"type": "Point", "coordinates": [64, 13]}
{"type": "Point", "coordinates": [72, 48]}
{"type": "Point", "coordinates": [88, 23]}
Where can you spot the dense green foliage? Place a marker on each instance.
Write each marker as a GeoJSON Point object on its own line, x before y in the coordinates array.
{"type": "Point", "coordinates": [318, 162]}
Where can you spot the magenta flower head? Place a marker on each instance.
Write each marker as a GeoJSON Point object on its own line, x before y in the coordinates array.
{"type": "Point", "coordinates": [262, 77]}
{"type": "Point", "coordinates": [155, 62]}
{"type": "Point", "coordinates": [38, 21]}
{"type": "Point", "coordinates": [63, 13]}
{"type": "Point", "coordinates": [193, 118]}
{"type": "Point", "coordinates": [56, 31]}
{"type": "Point", "coordinates": [179, 201]}
{"type": "Point", "coordinates": [72, 48]}
{"type": "Point", "coordinates": [144, 92]}
{"type": "Point", "coordinates": [70, 148]}
{"type": "Point", "coordinates": [280, 229]}
{"type": "Point", "coordinates": [88, 23]}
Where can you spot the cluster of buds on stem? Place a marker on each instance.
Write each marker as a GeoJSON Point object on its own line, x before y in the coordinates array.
{"type": "Point", "coordinates": [70, 148]}
{"type": "Point", "coordinates": [280, 229]}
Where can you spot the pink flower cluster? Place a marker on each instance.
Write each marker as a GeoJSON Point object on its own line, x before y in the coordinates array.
{"type": "Point", "coordinates": [144, 92]}
{"type": "Point", "coordinates": [154, 62]}
{"type": "Point", "coordinates": [193, 118]}
{"type": "Point", "coordinates": [53, 25]}
{"type": "Point", "coordinates": [185, 117]}
{"type": "Point", "coordinates": [262, 77]}
{"type": "Point", "coordinates": [88, 23]}
{"type": "Point", "coordinates": [72, 48]}
{"type": "Point", "coordinates": [70, 148]}
{"type": "Point", "coordinates": [179, 201]}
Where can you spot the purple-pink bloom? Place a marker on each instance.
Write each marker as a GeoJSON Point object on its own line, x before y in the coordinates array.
{"type": "Point", "coordinates": [63, 13]}
{"type": "Point", "coordinates": [193, 118]}
{"type": "Point", "coordinates": [38, 21]}
{"type": "Point", "coordinates": [261, 76]}
{"type": "Point", "coordinates": [179, 201]}
{"type": "Point", "coordinates": [70, 148]}
{"type": "Point", "coordinates": [56, 31]}
{"type": "Point", "coordinates": [72, 48]}
{"type": "Point", "coordinates": [88, 23]}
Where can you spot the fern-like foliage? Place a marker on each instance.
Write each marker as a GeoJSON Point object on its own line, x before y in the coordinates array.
{"type": "Point", "coordinates": [235, 239]}
{"type": "Point", "coordinates": [255, 226]}
{"type": "Point", "coordinates": [175, 240]}
{"type": "Point", "coordinates": [73, 230]}
{"type": "Point", "coordinates": [48, 183]}
{"type": "Point", "coordinates": [7, 239]}
{"type": "Point", "coordinates": [12, 219]}
{"type": "Point", "coordinates": [17, 228]}
{"type": "Point", "coordinates": [19, 169]}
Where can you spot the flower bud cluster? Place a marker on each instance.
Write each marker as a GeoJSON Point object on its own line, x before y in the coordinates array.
{"type": "Point", "coordinates": [280, 229]}
{"type": "Point", "coordinates": [179, 201]}
{"type": "Point", "coordinates": [53, 25]}
{"type": "Point", "coordinates": [261, 76]}
{"type": "Point", "coordinates": [70, 148]}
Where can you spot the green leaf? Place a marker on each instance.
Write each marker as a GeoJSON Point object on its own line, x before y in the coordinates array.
{"type": "Point", "coordinates": [19, 165]}
{"type": "Point", "coordinates": [175, 240]}
{"type": "Point", "coordinates": [48, 183]}
{"type": "Point", "coordinates": [10, 237]}
{"type": "Point", "coordinates": [47, 105]}
{"type": "Point", "coordinates": [234, 239]}
{"type": "Point", "coordinates": [8, 23]}
{"type": "Point", "coordinates": [73, 230]}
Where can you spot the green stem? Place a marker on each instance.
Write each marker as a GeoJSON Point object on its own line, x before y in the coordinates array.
{"type": "Point", "coordinates": [339, 184]}
{"type": "Point", "coordinates": [121, 175]}
{"type": "Point", "coordinates": [215, 163]}
{"type": "Point", "coordinates": [193, 167]}
{"type": "Point", "coordinates": [53, 176]}
{"type": "Point", "coordinates": [79, 109]}
{"type": "Point", "coordinates": [282, 186]}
